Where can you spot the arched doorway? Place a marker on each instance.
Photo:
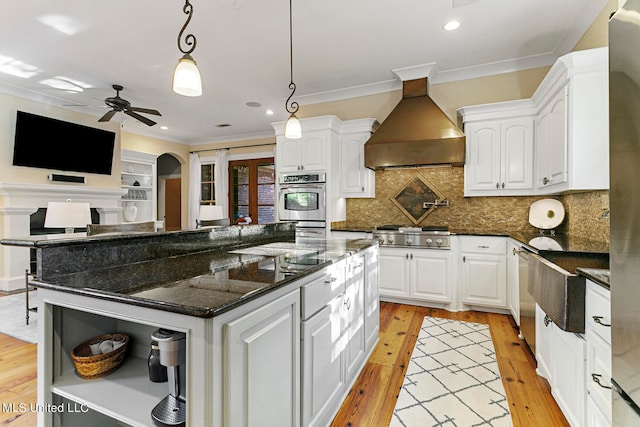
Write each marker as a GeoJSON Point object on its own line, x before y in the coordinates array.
{"type": "Point", "coordinates": [169, 192]}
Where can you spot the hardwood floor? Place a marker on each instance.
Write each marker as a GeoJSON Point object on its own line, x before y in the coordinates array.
{"type": "Point", "coordinates": [372, 399]}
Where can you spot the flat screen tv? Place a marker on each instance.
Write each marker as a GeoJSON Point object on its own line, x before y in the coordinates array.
{"type": "Point", "coordinates": [43, 142]}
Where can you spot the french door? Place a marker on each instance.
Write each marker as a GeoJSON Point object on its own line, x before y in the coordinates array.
{"type": "Point", "coordinates": [252, 185]}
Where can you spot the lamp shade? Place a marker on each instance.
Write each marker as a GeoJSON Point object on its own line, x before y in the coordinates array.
{"type": "Point", "coordinates": [293, 129]}
{"type": "Point", "coordinates": [210, 212]}
{"type": "Point", "coordinates": [67, 215]}
{"type": "Point", "coordinates": [186, 77]}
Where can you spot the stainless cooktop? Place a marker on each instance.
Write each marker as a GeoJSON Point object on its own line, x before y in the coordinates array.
{"type": "Point", "coordinates": [433, 237]}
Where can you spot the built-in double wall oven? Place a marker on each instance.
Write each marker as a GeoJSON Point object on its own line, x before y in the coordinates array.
{"type": "Point", "coordinates": [302, 198]}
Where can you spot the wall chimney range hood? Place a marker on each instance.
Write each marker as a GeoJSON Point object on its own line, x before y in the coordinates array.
{"type": "Point", "coordinates": [416, 133]}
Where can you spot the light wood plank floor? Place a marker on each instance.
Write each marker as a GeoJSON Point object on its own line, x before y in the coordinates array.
{"type": "Point", "coordinates": [373, 397]}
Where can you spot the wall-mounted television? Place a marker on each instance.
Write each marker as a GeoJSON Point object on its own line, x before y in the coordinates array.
{"type": "Point", "coordinates": [43, 142]}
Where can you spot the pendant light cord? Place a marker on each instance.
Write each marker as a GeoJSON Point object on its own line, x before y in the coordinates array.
{"type": "Point", "coordinates": [293, 107]}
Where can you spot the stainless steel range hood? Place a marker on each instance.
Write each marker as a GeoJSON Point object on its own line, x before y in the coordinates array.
{"type": "Point", "coordinates": [416, 133]}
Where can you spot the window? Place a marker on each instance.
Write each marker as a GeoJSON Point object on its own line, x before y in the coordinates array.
{"type": "Point", "coordinates": [207, 185]}
{"type": "Point", "coordinates": [252, 191]}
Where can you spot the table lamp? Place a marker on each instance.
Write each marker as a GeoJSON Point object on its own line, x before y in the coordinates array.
{"type": "Point", "coordinates": [209, 213]}
{"type": "Point", "coordinates": [67, 215]}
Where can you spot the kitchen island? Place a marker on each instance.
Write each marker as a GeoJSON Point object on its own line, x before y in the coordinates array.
{"type": "Point", "coordinates": [276, 332]}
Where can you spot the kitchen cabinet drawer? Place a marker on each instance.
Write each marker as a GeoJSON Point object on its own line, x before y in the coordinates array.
{"type": "Point", "coordinates": [599, 373]}
{"type": "Point", "coordinates": [484, 245]}
{"type": "Point", "coordinates": [598, 311]}
{"type": "Point", "coordinates": [318, 293]}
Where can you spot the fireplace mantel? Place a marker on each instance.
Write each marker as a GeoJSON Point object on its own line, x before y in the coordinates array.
{"type": "Point", "coordinates": [20, 200]}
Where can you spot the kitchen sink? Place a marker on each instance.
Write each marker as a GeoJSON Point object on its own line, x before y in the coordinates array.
{"type": "Point", "coordinates": [558, 290]}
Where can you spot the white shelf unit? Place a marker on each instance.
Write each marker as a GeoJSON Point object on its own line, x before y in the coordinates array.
{"type": "Point", "coordinates": [139, 178]}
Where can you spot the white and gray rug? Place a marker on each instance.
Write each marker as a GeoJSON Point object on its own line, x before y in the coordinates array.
{"type": "Point", "coordinates": [12, 317]}
{"type": "Point", "coordinates": [452, 379]}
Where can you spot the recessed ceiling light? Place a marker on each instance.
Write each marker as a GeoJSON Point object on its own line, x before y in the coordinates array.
{"type": "Point", "coordinates": [269, 112]}
{"type": "Point", "coordinates": [253, 104]}
{"type": "Point", "coordinates": [164, 127]}
{"type": "Point", "coordinates": [451, 25]}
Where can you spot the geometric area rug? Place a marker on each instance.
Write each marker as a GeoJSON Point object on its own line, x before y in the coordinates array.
{"type": "Point", "coordinates": [452, 379]}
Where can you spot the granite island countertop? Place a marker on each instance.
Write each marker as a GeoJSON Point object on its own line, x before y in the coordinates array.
{"type": "Point", "coordinates": [207, 283]}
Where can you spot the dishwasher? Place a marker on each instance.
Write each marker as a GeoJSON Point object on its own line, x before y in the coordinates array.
{"type": "Point", "coordinates": [527, 303]}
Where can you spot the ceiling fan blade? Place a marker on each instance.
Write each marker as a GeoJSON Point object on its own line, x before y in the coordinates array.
{"type": "Point", "coordinates": [139, 117]}
{"type": "Point", "coordinates": [145, 110]}
{"type": "Point", "coordinates": [107, 116]}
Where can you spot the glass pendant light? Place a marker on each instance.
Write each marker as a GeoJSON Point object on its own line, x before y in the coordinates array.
{"type": "Point", "coordinates": [292, 128]}
{"type": "Point", "coordinates": [186, 76]}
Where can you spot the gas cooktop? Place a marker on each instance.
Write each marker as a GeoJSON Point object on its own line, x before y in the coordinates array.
{"type": "Point", "coordinates": [431, 236]}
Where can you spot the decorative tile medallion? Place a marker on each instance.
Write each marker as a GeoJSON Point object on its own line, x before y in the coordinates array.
{"type": "Point", "coordinates": [411, 198]}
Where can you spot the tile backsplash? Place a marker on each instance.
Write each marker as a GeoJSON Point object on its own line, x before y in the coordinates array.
{"type": "Point", "coordinates": [584, 216]}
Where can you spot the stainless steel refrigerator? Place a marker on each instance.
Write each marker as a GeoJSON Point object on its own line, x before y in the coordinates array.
{"type": "Point", "coordinates": [624, 142]}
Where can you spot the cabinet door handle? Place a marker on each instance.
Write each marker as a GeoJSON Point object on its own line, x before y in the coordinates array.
{"type": "Point", "coordinates": [347, 303]}
{"type": "Point", "coordinates": [362, 189]}
{"type": "Point", "coordinates": [598, 320]}
{"type": "Point", "coordinates": [464, 259]}
{"type": "Point", "coordinates": [406, 256]}
{"type": "Point", "coordinates": [545, 180]}
{"type": "Point", "coordinates": [497, 185]}
{"type": "Point", "coordinates": [411, 256]}
{"type": "Point", "coordinates": [596, 379]}
{"type": "Point", "coordinates": [547, 320]}
{"type": "Point", "coordinates": [503, 185]}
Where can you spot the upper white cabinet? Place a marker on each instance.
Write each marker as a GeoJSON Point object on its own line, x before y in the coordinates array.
{"type": "Point", "coordinates": [499, 148]}
{"type": "Point", "coordinates": [314, 151]}
{"type": "Point", "coordinates": [572, 124]}
{"type": "Point", "coordinates": [556, 141]}
{"type": "Point", "coordinates": [356, 180]}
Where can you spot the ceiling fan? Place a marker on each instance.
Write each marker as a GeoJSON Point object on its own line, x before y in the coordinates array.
{"type": "Point", "coordinates": [119, 104]}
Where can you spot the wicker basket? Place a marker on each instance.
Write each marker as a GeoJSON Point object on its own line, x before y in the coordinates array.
{"type": "Point", "coordinates": [89, 366]}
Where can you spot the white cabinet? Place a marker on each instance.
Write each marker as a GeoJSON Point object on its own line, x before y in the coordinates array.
{"type": "Point", "coordinates": [572, 124]}
{"type": "Point", "coordinates": [561, 358]}
{"type": "Point", "coordinates": [262, 365]}
{"type": "Point", "coordinates": [598, 334]}
{"type": "Point", "coordinates": [138, 179]}
{"type": "Point", "coordinates": [371, 298]}
{"type": "Point", "coordinates": [354, 314]}
{"type": "Point", "coordinates": [317, 150]}
{"type": "Point", "coordinates": [551, 141]}
{"type": "Point", "coordinates": [513, 279]}
{"type": "Point", "coordinates": [356, 180]}
{"type": "Point", "coordinates": [499, 148]}
{"type": "Point", "coordinates": [417, 274]}
{"type": "Point", "coordinates": [484, 271]}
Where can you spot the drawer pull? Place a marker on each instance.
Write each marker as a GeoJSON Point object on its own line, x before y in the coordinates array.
{"type": "Point", "coordinates": [598, 320]}
{"type": "Point", "coordinates": [596, 379]}
{"type": "Point", "coordinates": [483, 246]}
{"type": "Point", "coordinates": [547, 320]}
{"type": "Point", "coordinates": [347, 303]}
{"type": "Point", "coordinates": [333, 279]}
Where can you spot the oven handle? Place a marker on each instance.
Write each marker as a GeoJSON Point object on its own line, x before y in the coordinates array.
{"type": "Point", "coordinates": [301, 187]}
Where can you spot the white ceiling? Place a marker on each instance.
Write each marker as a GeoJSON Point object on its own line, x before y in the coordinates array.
{"type": "Point", "coordinates": [341, 48]}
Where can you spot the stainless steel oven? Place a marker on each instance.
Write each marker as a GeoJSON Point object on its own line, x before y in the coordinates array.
{"type": "Point", "coordinates": [302, 197]}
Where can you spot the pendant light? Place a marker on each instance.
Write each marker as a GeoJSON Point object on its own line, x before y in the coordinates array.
{"type": "Point", "coordinates": [292, 128]}
{"type": "Point", "coordinates": [186, 77]}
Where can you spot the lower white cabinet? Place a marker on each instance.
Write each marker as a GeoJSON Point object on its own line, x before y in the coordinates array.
{"type": "Point", "coordinates": [371, 299]}
{"type": "Point", "coordinates": [484, 271]}
{"type": "Point", "coordinates": [417, 274]}
{"type": "Point", "coordinates": [262, 361]}
{"type": "Point", "coordinates": [513, 280]}
{"type": "Point", "coordinates": [561, 358]}
{"type": "Point", "coordinates": [598, 334]}
{"type": "Point", "coordinates": [354, 316]}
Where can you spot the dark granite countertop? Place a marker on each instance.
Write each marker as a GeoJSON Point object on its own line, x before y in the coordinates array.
{"type": "Point", "coordinates": [599, 276]}
{"type": "Point", "coordinates": [207, 283]}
